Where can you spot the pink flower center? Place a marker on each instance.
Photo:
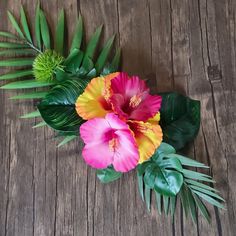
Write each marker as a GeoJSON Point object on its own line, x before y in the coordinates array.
{"type": "Point", "coordinates": [112, 139]}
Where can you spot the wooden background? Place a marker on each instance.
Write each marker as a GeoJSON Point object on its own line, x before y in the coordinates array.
{"type": "Point", "coordinates": [183, 45]}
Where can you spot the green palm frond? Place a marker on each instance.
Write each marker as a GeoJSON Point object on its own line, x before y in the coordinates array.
{"type": "Point", "coordinates": [193, 193]}
{"type": "Point", "coordinates": [22, 48]}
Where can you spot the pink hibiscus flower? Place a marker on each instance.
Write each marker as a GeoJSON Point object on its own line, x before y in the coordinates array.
{"type": "Point", "coordinates": [131, 100]}
{"type": "Point", "coordinates": [109, 141]}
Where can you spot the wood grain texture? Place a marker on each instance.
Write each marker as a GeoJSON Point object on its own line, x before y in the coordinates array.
{"type": "Point", "coordinates": [183, 45]}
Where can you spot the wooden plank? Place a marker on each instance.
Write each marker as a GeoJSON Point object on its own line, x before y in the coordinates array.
{"type": "Point", "coordinates": [184, 45]}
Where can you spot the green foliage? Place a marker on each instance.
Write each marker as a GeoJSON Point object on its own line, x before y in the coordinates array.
{"type": "Point", "coordinates": [66, 140]}
{"type": "Point", "coordinates": [46, 64]}
{"type": "Point", "coordinates": [58, 107]}
{"type": "Point", "coordinates": [60, 33]}
{"type": "Point", "coordinates": [108, 175]}
{"type": "Point", "coordinates": [189, 188]}
{"type": "Point", "coordinates": [180, 119]}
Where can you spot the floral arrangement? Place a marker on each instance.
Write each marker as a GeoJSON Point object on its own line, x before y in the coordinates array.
{"type": "Point", "coordinates": [123, 126]}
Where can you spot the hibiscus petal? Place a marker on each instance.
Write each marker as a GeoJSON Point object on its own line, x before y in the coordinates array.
{"type": "Point", "coordinates": [109, 141]}
{"type": "Point", "coordinates": [92, 102]}
{"type": "Point", "coordinates": [126, 156]}
{"type": "Point", "coordinates": [148, 138]}
{"type": "Point", "coordinates": [92, 132]}
{"type": "Point", "coordinates": [147, 108]}
{"type": "Point", "coordinates": [128, 86]}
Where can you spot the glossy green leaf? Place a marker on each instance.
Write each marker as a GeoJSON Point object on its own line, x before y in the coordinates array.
{"type": "Point", "coordinates": [17, 62]}
{"type": "Point", "coordinates": [16, 74]}
{"type": "Point", "coordinates": [25, 24]}
{"type": "Point", "coordinates": [101, 61]}
{"type": "Point", "coordinates": [45, 30]}
{"type": "Point", "coordinates": [168, 182]}
{"type": "Point", "coordinates": [15, 25]}
{"type": "Point", "coordinates": [37, 26]}
{"type": "Point", "coordinates": [180, 119]}
{"type": "Point", "coordinates": [73, 61]}
{"type": "Point", "coordinates": [66, 140]}
{"type": "Point", "coordinates": [108, 175]}
{"type": "Point", "coordinates": [58, 107]}
{"type": "Point", "coordinates": [78, 35]}
{"type": "Point", "coordinates": [33, 95]}
{"type": "Point", "coordinates": [26, 84]}
{"type": "Point", "coordinates": [12, 45]}
{"type": "Point", "coordinates": [31, 115]}
{"type": "Point", "coordinates": [60, 33]}
{"type": "Point", "coordinates": [7, 35]}
{"type": "Point", "coordinates": [92, 45]}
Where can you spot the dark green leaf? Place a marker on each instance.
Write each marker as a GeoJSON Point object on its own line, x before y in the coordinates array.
{"type": "Point", "coordinates": [180, 119]}
{"type": "Point", "coordinates": [16, 74]}
{"type": "Point", "coordinates": [192, 206]}
{"type": "Point", "coordinates": [44, 30]}
{"type": "Point", "coordinates": [78, 35]}
{"type": "Point", "coordinates": [58, 107]}
{"type": "Point", "coordinates": [92, 45]}
{"type": "Point", "coordinates": [108, 175]}
{"type": "Point", "coordinates": [25, 24]}
{"type": "Point", "coordinates": [168, 182]}
{"type": "Point", "coordinates": [15, 25]}
{"type": "Point", "coordinates": [60, 33]}
{"type": "Point", "coordinates": [104, 54]}
{"type": "Point", "coordinates": [73, 61]}
{"type": "Point", "coordinates": [202, 208]}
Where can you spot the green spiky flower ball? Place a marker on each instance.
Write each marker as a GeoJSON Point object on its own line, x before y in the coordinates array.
{"type": "Point", "coordinates": [45, 65]}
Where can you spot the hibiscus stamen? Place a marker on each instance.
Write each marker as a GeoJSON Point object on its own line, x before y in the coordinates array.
{"type": "Point", "coordinates": [135, 101]}
{"type": "Point", "coordinates": [113, 144]}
